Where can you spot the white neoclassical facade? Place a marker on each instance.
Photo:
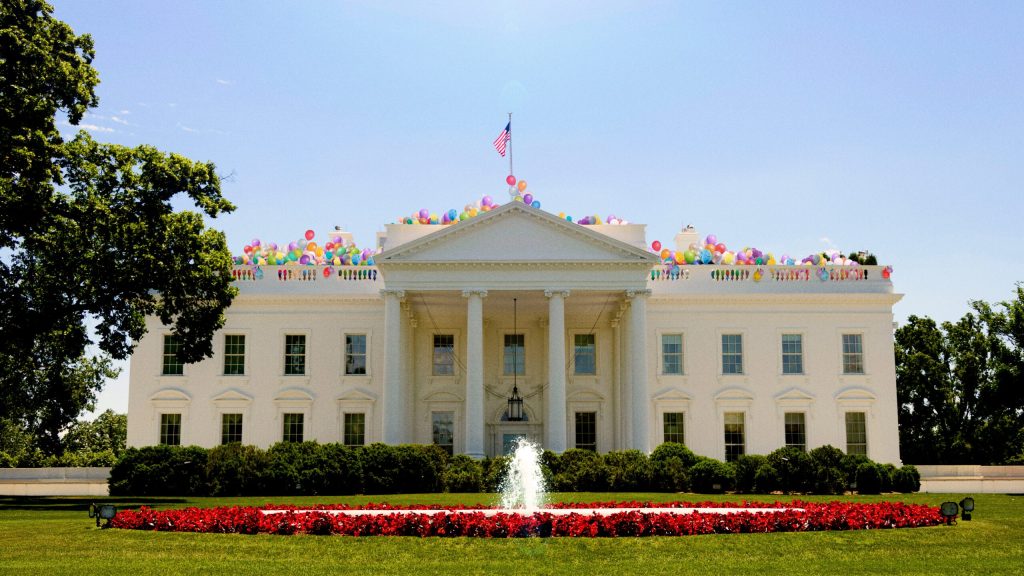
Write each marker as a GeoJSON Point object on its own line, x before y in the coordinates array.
{"type": "Point", "coordinates": [607, 349]}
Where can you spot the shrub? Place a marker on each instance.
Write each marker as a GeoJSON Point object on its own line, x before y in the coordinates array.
{"type": "Point", "coordinates": [670, 475]}
{"type": "Point", "coordinates": [402, 469]}
{"type": "Point", "coordinates": [495, 470]}
{"type": "Point", "coordinates": [907, 479]}
{"type": "Point", "coordinates": [82, 459]}
{"type": "Point", "coordinates": [580, 471]}
{"type": "Point", "coordinates": [766, 478]}
{"type": "Point", "coordinates": [710, 476]}
{"type": "Point", "coordinates": [628, 471]}
{"type": "Point", "coordinates": [236, 470]}
{"type": "Point", "coordinates": [887, 472]}
{"type": "Point", "coordinates": [795, 468]}
{"type": "Point", "coordinates": [463, 474]}
{"type": "Point", "coordinates": [829, 476]}
{"type": "Point", "coordinates": [160, 471]}
{"type": "Point", "coordinates": [7, 461]}
{"type": "Point", "coordinates": [674, 450]}
{"type": "Point", "coordinates": [343, 472]}
{"type": "Point", "coordinates": [746, 468]}
{"type": "Point", "coordinates": [869, 478]}
{"type": "Point", "coordinates": [850, 463]}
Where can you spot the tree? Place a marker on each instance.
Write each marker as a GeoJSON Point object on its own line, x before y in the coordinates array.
{"type": "Point", "coordinates": [959, 386]}
{"type": "Point", "coordinates": [91, 243]}
{"type": "Point", "coordinates": [109, 431]}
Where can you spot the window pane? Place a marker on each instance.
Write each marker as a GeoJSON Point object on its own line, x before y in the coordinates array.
{"type": "Point", "coordinates": [514, 355]}
{"type": "Point", "coordinates": [584, 358]}
{"type": "Point", "coordinates": [355, 354]}
{"type": "Point", "coordinates": [172, 366]}
{"type": "Point", "coordinates": [586, 430]}
{"type": "Point", "coordinates": [293, 427]}
{"type": "Point", "coordinates": [735, 437]}
{"type": "Point", "coordinates": [234, 354]}
{"type": "Point", "coordinates": [732, 354]}
{"type": "Point", "coordinates": [170, 429]}
{"type": "Point", "coordinates": [792, 354]}
{"type": "Point", "coordinates": [853, 354]}
{"type": "Point", "coordinates": [230, 428]}
{"type": "Point", "coordinates": [796, 430]}
{"type": "Point", "coordinates": [673, 423]}
{"type": "Point", "coordinates": [444, 354]}
{"type": "Point", "coordinates": [671, 353]}
{"type": "Point", "coordinates": [443, 430]}
{"type": "Point", "coordinates": [355, 429]}
{"type": "Point", "coordinates": [856, 433]}
{"type": "Point", "coordinates": [295, 354]}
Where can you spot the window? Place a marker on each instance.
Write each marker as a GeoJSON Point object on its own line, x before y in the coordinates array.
{"type": "Point", "coordinates": [230, 428]}
{"type": "Point", "coordinates": [355, 354]}
{"type": "Point", "coordinates": [295, 355]}
{"type": "Point", "coordinates": [293, 427]}
{"type": "Point", "coordinates": [792, 354]}
{"type": "Point", "coordinates": [234, 354]}
{"type": "Point", "coordinates": [515, 357]}
{"type": "Point", "coordinates": [732, 354]}
{"type": "Point", "coordinates": [796, 430]}
{"type": "Point", "coordinates": [673, 423]}
{"type": "Point", "coordinates": [170, 429]}
{"type": "Point", "coordinates": [443, 430]}
{"type": "Point", "coordinates": [856, 433]}
{"type": "Point", "coordinates": [584, 358]}
{"type": "Point", "coordinates": [735, 437]}
{"type": "Point", "coordinates": [586, 430]}
{"type": "Point", "coordinates": [671, 353]}
{"type": "Point", "coordinates": [853, 354]}
{"type": "Point", "coordinates": [444, 355]}
{"type": "Point", "coordinates": [172, 366]}
{"type": "Point", "coordinates": [354, 433]}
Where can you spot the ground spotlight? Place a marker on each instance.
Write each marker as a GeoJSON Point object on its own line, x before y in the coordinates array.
{"type": "Point", "coordinates": [949, 510]}
{"type": "Point", "coordinates": [102, 512]}
{"type": "Point", "coordinates": [967, 505]}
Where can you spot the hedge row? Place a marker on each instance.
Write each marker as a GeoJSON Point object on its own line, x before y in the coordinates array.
{"type": "Point", "coordinates": [315, 469]}
{"type": "Point", "coordinates": [36, 459]}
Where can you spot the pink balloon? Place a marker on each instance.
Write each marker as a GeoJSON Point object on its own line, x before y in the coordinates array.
{"type": "Point", "coordinates": [309, 234]}
{"type": "Point", "coordinates": [510, 180]}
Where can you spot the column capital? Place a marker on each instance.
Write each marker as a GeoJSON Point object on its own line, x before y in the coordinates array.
{"type": "Point", "coordinates": [631, 294]}
{"type": "Point", "coordinates": [396, 292]}
{"type": "Point", "coordinates": [474, 292]}
{"type": "Point", "coordinates": [562, 293]}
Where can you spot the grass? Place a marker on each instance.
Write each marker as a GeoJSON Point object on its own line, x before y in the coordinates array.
{"type": "Point", "coordinates": [55, 536]}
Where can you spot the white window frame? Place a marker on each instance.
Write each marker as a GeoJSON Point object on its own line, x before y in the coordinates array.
{"type": "Point", "coordinates": [282, 343]}
{"type": "Point", "coordinates": [597, 355]}
{"type": "Point", "coordinates": [344, 352]}
{"type": "Point", "coordinates": [661, 353]}
{"type": "Point", "coordinates": [863, 352]}
{"type": "Point", "coordinates": [803, 353]}
{"type": "Point", "coordinates": [743, 353]}
{"type": "Point", "coordinates": [222, 357]}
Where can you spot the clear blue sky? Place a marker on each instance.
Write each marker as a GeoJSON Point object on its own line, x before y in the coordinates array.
{"type": "Point", "coordinates": [896, 127]}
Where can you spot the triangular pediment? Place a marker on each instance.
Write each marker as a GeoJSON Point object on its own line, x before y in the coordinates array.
{"type": "Point", "coordinates": [511, 233]}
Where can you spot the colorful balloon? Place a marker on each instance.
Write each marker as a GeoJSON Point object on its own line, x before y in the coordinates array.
{"type": "Point", "coordinates": [521, 185]}
{"type": "Point", "coordinates": [656, 245]}
{"type": "Point", "coordinates": [511, 180]}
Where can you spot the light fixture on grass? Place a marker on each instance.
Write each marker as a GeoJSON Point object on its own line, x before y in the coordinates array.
{"type": "Point", "coordinates": [949, 510]}
{"type": "Point", "coordinates": [967, 506]}
{"type": "Point", "coordinates": [102, 512]}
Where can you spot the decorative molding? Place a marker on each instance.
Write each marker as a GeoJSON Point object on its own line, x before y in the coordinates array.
{"type": "Point", "coordinates": [385, 292]}
{"type": "Point", "coordinates": [474, 292]}
{"type": "Point", "coordinates": [632, 293]}
{"type": "Point", "coordinates": [563, 293]}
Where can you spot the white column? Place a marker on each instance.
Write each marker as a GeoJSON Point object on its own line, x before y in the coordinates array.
{"type": "Point", "coordinates": [626, 372]}
{"type": "Point", "coordinates": [408, 347]}
{"type": "Point", "coordinates": [555, 418]}
{"type": "Point", "coordinates": [394, 398]}
{"type": "Point", "coordinates": [638, 367]}
{"type": "Point", "coordinates": [474, 446]}
{"type": "Point", "coordinates": [617, 412]}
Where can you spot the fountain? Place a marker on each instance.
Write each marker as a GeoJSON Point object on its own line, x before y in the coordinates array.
{"type": "Point", "coordinates": [523, 487]}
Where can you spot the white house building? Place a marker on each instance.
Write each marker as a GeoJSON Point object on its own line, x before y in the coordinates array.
{"type": "Point", "coordinates": [607, 349]}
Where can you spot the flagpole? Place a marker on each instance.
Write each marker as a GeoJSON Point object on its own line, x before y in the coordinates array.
{"type": "Point", "coordinates": [509, 145]}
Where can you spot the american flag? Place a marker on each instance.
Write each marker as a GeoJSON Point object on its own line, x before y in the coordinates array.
{"type": "Point", "coordinates": [502, 140]}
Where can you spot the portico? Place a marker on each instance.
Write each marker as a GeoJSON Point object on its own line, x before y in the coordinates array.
{"type": "Point", "coordinates": [547, 265]}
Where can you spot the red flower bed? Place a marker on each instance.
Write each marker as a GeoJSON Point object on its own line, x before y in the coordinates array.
{"type": "Point", "coordinates": [450, 521]}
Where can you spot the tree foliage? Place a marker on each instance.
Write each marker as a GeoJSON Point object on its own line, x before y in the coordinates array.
{"type": "Point", "coordinates": [91, 244]}
{"type": "Point", "coordinates": [960, 387]}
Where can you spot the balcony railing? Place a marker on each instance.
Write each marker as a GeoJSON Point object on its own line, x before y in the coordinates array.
{"type": "Point", "coordinates": [266, 275]}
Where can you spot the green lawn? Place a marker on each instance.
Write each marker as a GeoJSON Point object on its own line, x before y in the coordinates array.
{"type": "Point", "coordinates": [55, 536]}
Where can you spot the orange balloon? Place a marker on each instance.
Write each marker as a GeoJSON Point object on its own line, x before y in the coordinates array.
{"type": "Point", "coordinates": [665, 252]}
{"type": "Point", "coordinates": [521, 185]}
